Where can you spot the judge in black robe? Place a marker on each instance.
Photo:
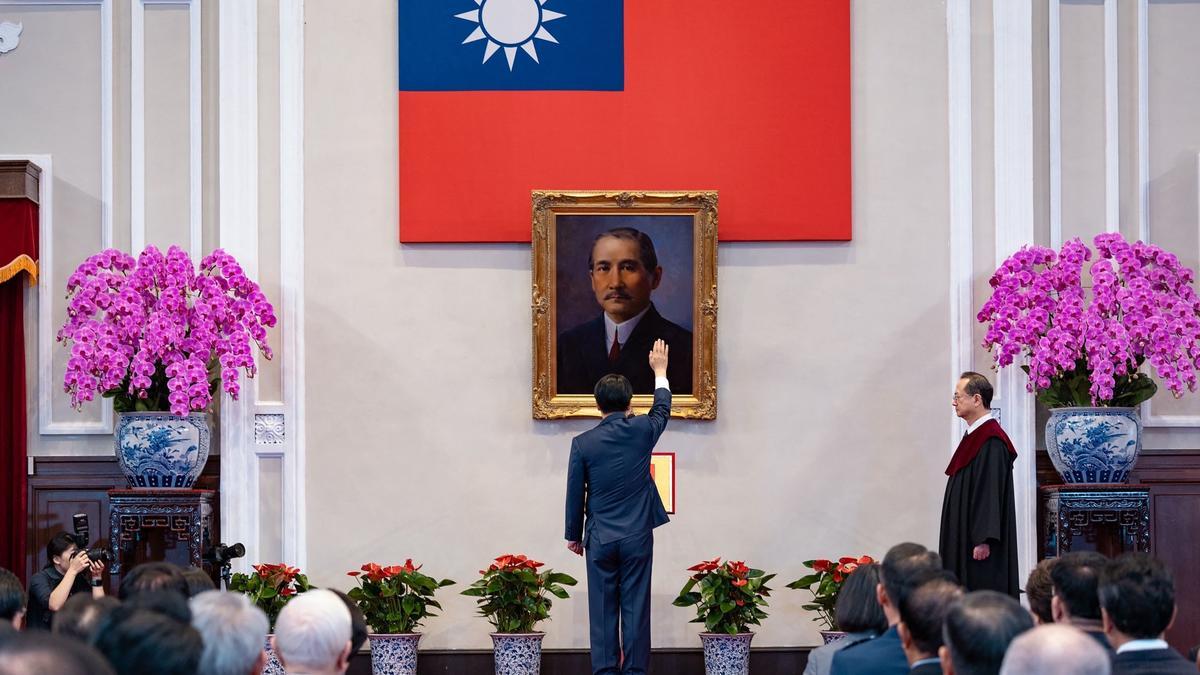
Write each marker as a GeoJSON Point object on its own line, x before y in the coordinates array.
{"type": "Point", "coordinates": [979, 506]}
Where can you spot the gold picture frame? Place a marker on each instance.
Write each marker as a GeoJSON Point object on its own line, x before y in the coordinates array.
{"type": "Point", "coordinates": [564, 224]}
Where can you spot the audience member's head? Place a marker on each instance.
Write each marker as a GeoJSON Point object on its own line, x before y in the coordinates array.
{"type": "Point", "coordinates": [1076, 579]}
{"type": "Point", "coordinates": [234, 633]}
{"type": "Point", "coordinates": [312, 634]}
{"type": "Point", "coordinates": [1039, 589]}
{"type": "Point", "coordinates": [858, 609]}
{"type": "Point", "coordinates": [38, 652]}
{"type": "Point", "coordinates": [167, 603]}
{"type": "Point", "coordinates": [139, 641]}
{"type": "Point", "coordinates": [923, 611]}
{"type": "Point", "coordinates": [80, 615]}
{"type": "Point", "coordinates": [901, 564]}
{"type": "Point", "coordinates": [358, 622]}
{"type": "Point", "coordinates": [978, 630]}
{"type": "Point", "coordinates": [1055, 650]}
{"type": "Point", "coordinates": [153, 576]}
{"type": "Point", "coordinates": [1137, 598]}
{"type": "Point", "coordinates": [12, 599]}
{"type": "Point", "coordinates": [198, 581]}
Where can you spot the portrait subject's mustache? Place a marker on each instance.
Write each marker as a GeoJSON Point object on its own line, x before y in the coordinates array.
{"type": "Point", "coordinates": [618, 295]}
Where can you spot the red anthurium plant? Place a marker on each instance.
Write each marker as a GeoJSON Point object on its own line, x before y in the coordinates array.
{"type": "Point", "coordinates": [514, 595]}
{"type": "Point", "coordinates": [397, 598]}
{"type": "Point", "coordinates": [825, 583]}
{"type": "Point", "coordinates": [270, 587]}
{"type": "Point", "coordinates": [728, 597]}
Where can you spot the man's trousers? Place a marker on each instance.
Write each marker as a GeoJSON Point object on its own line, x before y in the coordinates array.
{"type": "Point", "coordinates": [618, 574]}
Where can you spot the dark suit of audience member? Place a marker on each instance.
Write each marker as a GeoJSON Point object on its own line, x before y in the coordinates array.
{"type": "Point", "coordinates": [858, 613]}
{"type": "Point", "coordinates": [1137, 602]}
{"type": "Point", "coordinates": [903, 565]}
{"type": "Point", "coordinates": [612, 508]}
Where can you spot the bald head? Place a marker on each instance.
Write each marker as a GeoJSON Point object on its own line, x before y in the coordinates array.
{"type": "Point", "coordinates": [1055, 649]}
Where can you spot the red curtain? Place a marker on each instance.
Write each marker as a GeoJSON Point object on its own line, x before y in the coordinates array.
{"type": "Point", "coordinates": [18, 254]}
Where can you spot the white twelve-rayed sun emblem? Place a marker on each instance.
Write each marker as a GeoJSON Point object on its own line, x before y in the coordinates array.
{"type": "Point", "coordinates": [510, 24]}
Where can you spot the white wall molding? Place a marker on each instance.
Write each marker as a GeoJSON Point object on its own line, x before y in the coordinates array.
{"type": "Point", "coordinates": [958, 40]}
{"type": "Point", "coordinates": [1112, 139]}
{"type": "Point", "coordinates": [291, 256]}
{"type": "Point", "coordinates": [137, 108]}
{"type": "Point", "coordinates": [1013, 97]}
{"type": "Point", "coordinates": [47, 386]}
{"type": "Point", "coordinates": [1054, 54]}
{"type": "Point", "coordinates": [238, 170]}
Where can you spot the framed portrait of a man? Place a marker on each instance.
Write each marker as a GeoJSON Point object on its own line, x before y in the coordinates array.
{"type": "Point", "coordinates": [612, 273]}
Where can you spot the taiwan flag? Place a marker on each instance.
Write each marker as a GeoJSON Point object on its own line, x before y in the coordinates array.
{"type": "Point", "coordinates": [501, 97]}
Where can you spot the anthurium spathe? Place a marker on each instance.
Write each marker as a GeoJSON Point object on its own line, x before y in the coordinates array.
{"type": "Point", "coordinates": [514, 595]}
{"type": "Point", "coordinates": [825, 583]}
{"type": "Point", "coordinates": [728, 597]}
{"type": "Point", "coordinates": [396, 598]}
{"type": "Point", "coordinates": [270, 587]}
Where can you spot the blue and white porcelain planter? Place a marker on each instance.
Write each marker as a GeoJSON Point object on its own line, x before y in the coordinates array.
{"type": "Point", "coordinates": [394, 653]}
{"type": "Point", "coordinates": [273, 666]}
{"type": "Point", "coordinates": [518, 653]}
{"type": "Point", "coordinates": [726, 654]}
{"type": "Point", "coordinates": [160, 450]}
{"type": "Point", "coordinates": [1094, 445]}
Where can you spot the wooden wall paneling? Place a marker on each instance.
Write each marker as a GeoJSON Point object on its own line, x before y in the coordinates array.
{"type": "Point", "coordinates": [1175, 523]}
{"type": "Point", "coordinates": [63, 486]}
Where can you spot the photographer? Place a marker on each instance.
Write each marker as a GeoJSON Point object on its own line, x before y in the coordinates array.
{"type": "Point", "coordinates": [67, 572]}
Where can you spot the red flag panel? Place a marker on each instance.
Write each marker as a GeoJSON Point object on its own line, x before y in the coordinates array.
{"type": "Point", "coordinates": [750, 99]}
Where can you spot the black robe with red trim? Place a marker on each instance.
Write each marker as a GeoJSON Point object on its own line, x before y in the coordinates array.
{"type": "Point", "coordinates": [979, 508]}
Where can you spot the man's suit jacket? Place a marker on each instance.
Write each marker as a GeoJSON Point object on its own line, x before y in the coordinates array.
{"type": "Point", "coordinates": [1152, 662]}
{"type": "Point", "coordinates": [881, 656]}
{"type": "Point", "coordinates": [927, 669]}
{"type": "Point", "coordinates": [583, 355]}
{"type": "Point", "coordinates": [608, 477]}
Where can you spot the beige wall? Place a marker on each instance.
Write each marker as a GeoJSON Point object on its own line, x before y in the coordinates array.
{"type": "Point", "coordinates": [832, 358]}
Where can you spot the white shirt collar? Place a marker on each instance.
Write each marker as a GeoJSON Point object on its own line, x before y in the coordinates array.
{"type": "Point", "coordinates": [979, 422]}
{"type": "Point", "coordinates": [621, 330]}
{"type": "Point", "coordinates": [1142, 645]}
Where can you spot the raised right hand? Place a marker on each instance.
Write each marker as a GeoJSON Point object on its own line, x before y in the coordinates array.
{"type": "Point", "coordinates": [658, 358]}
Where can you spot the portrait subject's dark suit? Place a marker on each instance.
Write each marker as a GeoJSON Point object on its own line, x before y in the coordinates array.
{"type": "Point", "coordinates": [613, 508]}
{"type": "Point", "coordinates": [583, 355]}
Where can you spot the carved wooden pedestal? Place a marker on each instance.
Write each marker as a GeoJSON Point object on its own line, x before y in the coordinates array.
{"type": "Point", "coordinates": [1111, 519]}
{"type": "Point", "coordinates": [181, 516]}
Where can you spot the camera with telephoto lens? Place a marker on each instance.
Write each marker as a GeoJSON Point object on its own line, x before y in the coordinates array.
{"type": "Point", "coordinates": [83, 536]}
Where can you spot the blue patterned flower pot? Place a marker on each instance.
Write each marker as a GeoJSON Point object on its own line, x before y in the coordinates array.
{"type": "Point", "coordinates": [160, 450]}
{"type": "Point", "coordinates": [831, 636]}
{"type": "Point", "coordinates": [518, 653]}
{"type": "Point", "coordinates": [1094, 445]}
{"type": "Point", "coordinates": [273, 667]}
{"type": "Point", "coordinates": [726, 654]}
{"type": "Point", "coordinates": [394, 653]}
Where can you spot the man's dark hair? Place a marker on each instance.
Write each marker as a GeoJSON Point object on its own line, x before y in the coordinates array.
{"type": "Point", "coordinates": [1039, 588]}
{"type": "Point", "coordinates": [979, 628]}
{"type": "Point", "coordinates": [12, 595]}
{"type": "Point", "coordinates": [358, 623]}
{"type": "Point", "coordinates": [198, 581]}
{"type": "Point", "coordinates": [858, 609]}
{"type": "Point", "coordinates": [925, 606]}
{"type": "Point", "coordinates": [153, 576]}
{"type": "Point", "coordinates": [613, 393]}
{"type": "Point", "coordinates": [165, 602]}
{"type": "Point", "coordinates": [901, 565]}
{"type": "Point", "coordinates": [80, 615]}
{"type": "Point", "coordinates": [40, 652]}
{"type": "Point", "coordinates": [1138, 593]}
{"type": "Point", "coordinates": [139, 641]}
{"type": "Point", "coordinates": [1076, 579]}
{"type": "Point", "coordinates": [645, 245]}
{"type": "Point", "coordinates": [978, 384]}
{"type": "Point", "coordinates": [57, 545]}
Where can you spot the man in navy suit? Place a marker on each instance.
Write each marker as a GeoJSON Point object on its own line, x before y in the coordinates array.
{"type": "Point", "coordinates": [612, 510]}
{"type": "Point", "coordinates": [624, 271]}
{"type": "Point", "coordinates": [1137, 606]}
